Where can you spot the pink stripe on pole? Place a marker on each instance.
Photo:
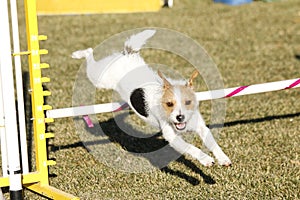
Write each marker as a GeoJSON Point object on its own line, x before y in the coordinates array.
{"type": "Point", "coordinates": [88, 121]}
{"type": "Point", "coordinates": [236, 91]}
{"type": "Point", "coordinates": [293, 84]}
{"type": "Point", "coordinates": [122, 107]}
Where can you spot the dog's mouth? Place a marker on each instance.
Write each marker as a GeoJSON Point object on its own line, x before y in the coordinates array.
{"type": "Point", "coordinates": [180, 126]}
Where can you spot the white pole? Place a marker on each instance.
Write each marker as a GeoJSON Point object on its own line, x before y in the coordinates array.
{"type": "Point", "coordinates": [250, 89]}
{"type": "Point", "coordinates": [10, 114]}
{"type": "Point", "coordinates": [85, 110]}
{"type": "Point", "coordinates": [2, 135]}
{"type": "Point", "coordinates": [201, 96]}
{"type": "Point", "coordinates": [19, 86]}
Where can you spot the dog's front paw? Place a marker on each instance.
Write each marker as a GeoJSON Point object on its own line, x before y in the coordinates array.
{"type": "Point", "coordinates": [224, 161]}
{"type": "Point", "coordinates": [207, 161]}
{"type": "Point", "coordinates": [221, 157]}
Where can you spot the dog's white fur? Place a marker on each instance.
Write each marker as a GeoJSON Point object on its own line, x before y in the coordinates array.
{"type": "Point", "coordinates": [168, 104]}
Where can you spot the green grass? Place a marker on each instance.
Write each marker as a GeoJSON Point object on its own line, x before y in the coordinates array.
{"type": "Point", "coordinates": [250, 44]}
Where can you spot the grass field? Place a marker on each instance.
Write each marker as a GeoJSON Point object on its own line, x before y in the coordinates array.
{"type": "Point", "coordinates": [254, 43]}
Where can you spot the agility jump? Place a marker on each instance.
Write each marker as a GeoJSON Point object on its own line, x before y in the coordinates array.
{"type": "Point", "coordinates": [16, 174]}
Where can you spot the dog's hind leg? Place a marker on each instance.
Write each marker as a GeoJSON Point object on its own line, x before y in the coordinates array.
{"type": "Point", "coordinates": [183, 147]}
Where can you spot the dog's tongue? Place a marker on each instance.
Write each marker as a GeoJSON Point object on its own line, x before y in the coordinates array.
{"type": "Point", "coordinates": [180, 126]}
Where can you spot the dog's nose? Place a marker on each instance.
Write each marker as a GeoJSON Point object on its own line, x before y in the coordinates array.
{"type": "Point", "coordinates": [180, 118]}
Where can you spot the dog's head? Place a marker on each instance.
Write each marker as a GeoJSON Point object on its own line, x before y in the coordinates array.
{"type": "Point", "coordinates": [179, 101]}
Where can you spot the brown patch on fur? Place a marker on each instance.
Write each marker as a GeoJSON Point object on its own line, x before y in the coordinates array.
{"type": "Point", "coordinates": [168, 101]}
{"type": "Point", "coordinates": [167, 84]}
{"type": "Point", "coordinates": [188, 98]}
{"type": "Point", "coordinates": [193, 76]}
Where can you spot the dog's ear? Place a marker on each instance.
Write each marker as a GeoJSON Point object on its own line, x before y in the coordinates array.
{"type": "Point", "coordinates": [193, 76]}
{"type": "Point", "coordinates": [167, 84]}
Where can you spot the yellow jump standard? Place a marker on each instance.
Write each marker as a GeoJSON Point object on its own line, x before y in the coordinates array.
{"type": "Point", "coordinates": [37, 181]}
{"type": "Point", "coordinates": [38, 107]}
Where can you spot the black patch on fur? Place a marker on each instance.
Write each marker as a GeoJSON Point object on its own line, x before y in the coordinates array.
{"type": "Point", "coordinates": [138, 102]}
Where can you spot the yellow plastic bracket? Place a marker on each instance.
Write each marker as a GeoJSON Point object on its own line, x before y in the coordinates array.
{"type": "Point", "coordinates": [49, 120]}
{"type": "Point", "coordinates": [49, 135]}
{"type": "Point", "coordinates": [42, 37]}
{"type": "Point", "coordinates": [43, 51]}
{"type": "Point", "coordinates": [46, 93]}
{"type": "Point", "coordinates": [51, 162]}
{"type": "Point", "coordinates": [44, 65]}
{"type": "Point", "coordinates": [21, 53]}
{"type": "Point", "coordinates": [45, 79]}
{"type": "Point", "coordinates": [47, 107]}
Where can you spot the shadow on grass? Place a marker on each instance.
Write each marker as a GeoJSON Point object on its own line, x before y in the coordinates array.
{"type": "Point", "coordinates": [251, 121]}
{"type": "Point", "coordinates": [206, 178]}
{"type": "Point", "coordinates": [141, 144]}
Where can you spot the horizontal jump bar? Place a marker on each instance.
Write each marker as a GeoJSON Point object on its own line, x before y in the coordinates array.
{"type": "Point", "coordinates": [201, 96]}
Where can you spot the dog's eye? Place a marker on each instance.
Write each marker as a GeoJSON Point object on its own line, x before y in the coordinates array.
{"type": "Point", "coordinates": [170, 104]}
{"type": "Point", "coordinates": [188, 102]}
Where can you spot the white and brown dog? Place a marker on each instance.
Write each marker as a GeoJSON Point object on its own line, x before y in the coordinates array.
{"type": "Point", "coordinates": [168, 104]}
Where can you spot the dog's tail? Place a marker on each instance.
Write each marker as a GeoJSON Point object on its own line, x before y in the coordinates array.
{"type": "Point", "coordinates": [135, 42]}
{"type": "Point", "coordinates": [83, 53]}
{"type": "Point", "coordinates": [132, 45]}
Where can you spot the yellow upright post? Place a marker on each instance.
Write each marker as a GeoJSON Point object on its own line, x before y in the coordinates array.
{"type": "Point", "coordinates": [38, 107]}
{"type": "Point", "coordinates": [36, 90]}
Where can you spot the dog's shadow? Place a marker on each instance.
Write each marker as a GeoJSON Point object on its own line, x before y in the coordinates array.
{"type": "Point", "coordinates": [151, 147]}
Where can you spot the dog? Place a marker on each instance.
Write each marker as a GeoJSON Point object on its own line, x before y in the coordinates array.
{"type": "Point", "coordinates": [168, 104]}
